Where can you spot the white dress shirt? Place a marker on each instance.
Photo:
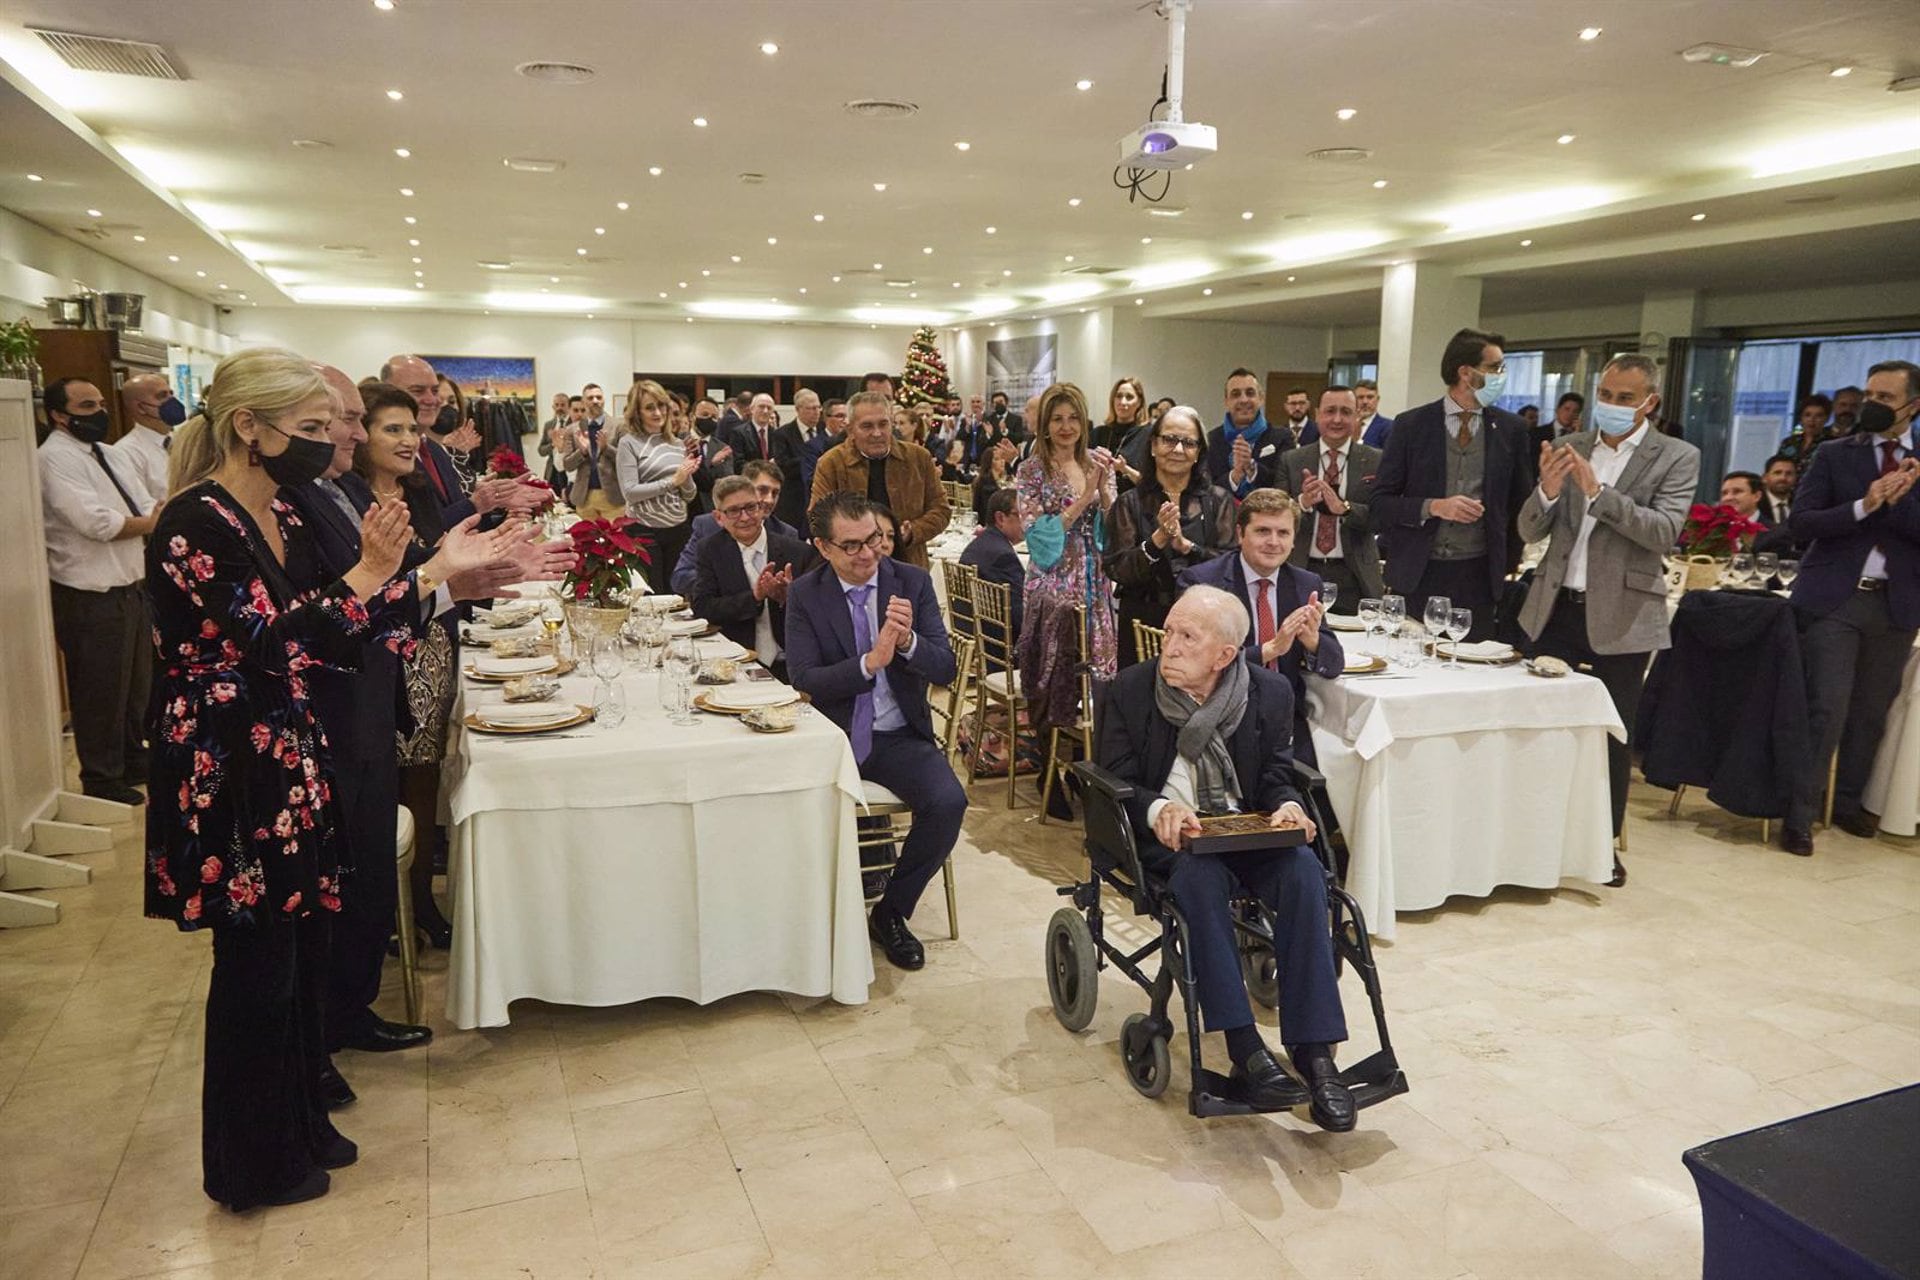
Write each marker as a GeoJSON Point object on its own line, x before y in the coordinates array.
{"type": "Point", "coordinates": [84, 515]}
{"type": "Point", "coordinates": [1313, 526]}
{"type": "Point", "coordinates": [1876, 563]}
{"type": "Point", "coordinates": [1253, 595]}
{"type": "Point", "coordinates": [753, 558]}
{"type": "Point", "coordinates": [1179, 789]}
{"type": "Point", "coordinates": [145, 450]}
{"type": "Point", "coordinates": [1608, 461]}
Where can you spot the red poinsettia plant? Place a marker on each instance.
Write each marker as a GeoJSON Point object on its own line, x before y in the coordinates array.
{"type": "Point", "coordinates": [607, 553]}
{"type": "Point", "coordinates": [504, 464]}
{"type": "Point", "coordinates": [1717, 530]}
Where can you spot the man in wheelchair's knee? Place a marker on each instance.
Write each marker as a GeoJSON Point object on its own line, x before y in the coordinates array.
{"type": "Point", "coordinates": [1201, 731]}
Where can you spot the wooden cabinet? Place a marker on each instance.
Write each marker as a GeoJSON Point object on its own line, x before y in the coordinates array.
{"type": "Point", "coordinates": [104, 357]}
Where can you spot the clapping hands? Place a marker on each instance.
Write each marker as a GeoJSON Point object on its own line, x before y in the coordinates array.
{"type": "Point", "coordinates": [1894, 485]}
{"type": "Point", "coordinates": [896, 633]}
{"type": "Point", "coordinates": [772, 583]}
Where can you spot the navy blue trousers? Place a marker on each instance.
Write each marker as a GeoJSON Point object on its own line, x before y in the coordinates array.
{"type": "Point", "coordinates": [1293, 886]}
{"type": "Point", "coordinates": [917, 771]}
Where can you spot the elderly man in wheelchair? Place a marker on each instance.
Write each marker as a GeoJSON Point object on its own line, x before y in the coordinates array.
{"type": "Point", "coordinates": [1197, 735]}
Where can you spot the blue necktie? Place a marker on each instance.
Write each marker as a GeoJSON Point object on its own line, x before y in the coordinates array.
{"type": "Point", "coordinates": [862, 734]}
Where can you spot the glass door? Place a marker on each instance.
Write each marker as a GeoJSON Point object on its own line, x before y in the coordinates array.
{"type": "Point", "coordinates": [1702, 379]}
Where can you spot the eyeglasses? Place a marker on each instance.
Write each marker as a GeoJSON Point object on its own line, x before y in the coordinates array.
{"type": "Point", "coordinates": [872, 543]}
{"type": "Point", "coordinates": [742, 511]}
{"type": "Point", "coordinates": [1182, 444]}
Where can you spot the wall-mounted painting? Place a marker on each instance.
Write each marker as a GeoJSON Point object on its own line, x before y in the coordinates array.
{"type": "Point", "coordinates": [508, 377]}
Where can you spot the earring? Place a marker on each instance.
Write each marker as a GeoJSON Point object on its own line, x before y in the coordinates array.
{"type": "Point", "coordinates": [253, 453]}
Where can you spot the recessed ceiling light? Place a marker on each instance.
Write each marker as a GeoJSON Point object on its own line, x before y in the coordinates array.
{"type": "Point", "coordinates": [1699, 217]}
{"type": "Point", "coordinates": [1840, 72]}
{"type": "Point", "coordinates": [1083, 85]}
{"type": "Point", "coordinates": [599, 231]}
{"type": "Point", "coordinates": [410, 220]}
{"type": "Point", "coordinates": [1345, 113]}
{"type": "Point", "coordinates": [395, 94]}
{"type": "Point", "coordinates": [621, 205]}
{"type": "Point", "coordinates": [1291, 279]}
{"type": "Point", "coordinates": [1590, 33]}
{"type": "Point", "coordinates": [1564, 139]}
{"type": "Point", "coordinates": [1206, 293]}
{"type": "Point", "coordinates": [1139, 302]}
{"type": "Point", "coordinates": [419, 284]}
{"type": "Point", "coordinates": [173, 257]}
{"type": "Point", "coordinates": [220, 286]}
{"type": "Point", "coordinates": [963, 146]}
{"type": "Point", "coordinates": [414, 243]}
{"type": "Point", "coordinates": [1007, 271]}
{"type": "Point", "coordinates": [553, 279]}
{"type": "Point", "coordinates": [1379, 184]}
{"type": "Point", "coordinates": [993, 230]}
{"type": "Point", "coordinates": [1073, 202]}
{"type": "Point", "coordinates": [956, 284]}
{"type": "Point", "coordinates": [879, 186]}
{"type": "Point", "coordinates": [1069, 257]}
{"type": "Point", "coordinates": [879, 267]}
{"type": "Point", "coordinates": [95, 213]}
{"type": "Point", "coordinates": [836, 279]}
{"type": "Point", "coordinates": [655, 170]}
{"type": "Point", "coordinates": [416, 261]}
{"type": "Point", "coordinates": [418, 274]}
{"type": "Point", "coordinates": [736, 257]}
{"type": "Point", "coordinates": [926, 248]}
{"type": "Point", "coordinates": [139, 239]}
{"type": "Point", "coordinates": [384, 6]}
{"type": "Point", "coordinates": [580, 252]}
{"type": "Point", "coordinates": [699, 122]}
{"type": "Point", "coordinates": [403, 153]}
{"type": "Point", "coordinates": [663, 293]}
{"type": "Point", "coordinates": [913, 295]}
{"type": "Point", "coordinates": [773, 239]}
{"type": "Point", "coordinates": [201, 274]}
{"type": "Point", "coordinates": [406, 191]}
{"type": "Point", "coordinates": [1246, 215]}
{"type": "Point", "coordinates": [683, 284]}
{"type": "Point", "coordinates": [1526, 244]}
{"type": "Point", "coordinates": [243, 297]}
{"type": "Point", "coordinates": [769, 48]}
{"type": "Point", "coordinates": [544, 290]}
{"type": "Point", "coordinates": [34, 177]}
{"type": "Point", "coordinates": [803, 288]}
{"type": "Point", "coordinates": [589, 315]}
{"type": "Point", "coordinates": [1146, 239]}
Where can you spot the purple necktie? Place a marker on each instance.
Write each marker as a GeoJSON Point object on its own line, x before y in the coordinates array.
{"type": "Point", "coordinates": [862, 734]}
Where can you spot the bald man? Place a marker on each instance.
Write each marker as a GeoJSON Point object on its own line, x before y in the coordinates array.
{"type": "Point", "coordinates": [148, 438]}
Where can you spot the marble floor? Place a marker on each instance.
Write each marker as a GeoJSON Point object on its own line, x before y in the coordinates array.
{"type": "Point", "coordinates": [1564, 1048]}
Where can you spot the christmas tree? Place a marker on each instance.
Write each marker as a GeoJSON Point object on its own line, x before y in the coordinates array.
{"type": "Point", "coordinates": [925, 379]}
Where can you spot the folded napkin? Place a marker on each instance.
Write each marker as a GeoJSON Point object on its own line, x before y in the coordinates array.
{"type": "Point", "coordinates": [738, 697]}
{"type": "Point", "coordinates": [1491, 650]}
{"type": "Point", "coordinates": [514, 666]}
{"type": "Point", "coordinates": [525, 713]}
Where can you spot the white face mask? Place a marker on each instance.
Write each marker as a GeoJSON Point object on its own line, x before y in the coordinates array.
{"type": "Point", "coordinates": [1616, 419]}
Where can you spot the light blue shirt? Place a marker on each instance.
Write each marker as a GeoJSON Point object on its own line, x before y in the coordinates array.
{"type": "Point", "coordinates": [887, 716]}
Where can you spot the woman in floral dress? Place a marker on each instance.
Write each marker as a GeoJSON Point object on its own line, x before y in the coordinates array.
{"type": "Point", "coordinates": [1064, 494]}
{"type": "Point", "coordinates": [241, 822]}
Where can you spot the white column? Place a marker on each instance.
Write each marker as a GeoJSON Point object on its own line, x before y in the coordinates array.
{"type": "Point", "coordinates": [1421, 306]}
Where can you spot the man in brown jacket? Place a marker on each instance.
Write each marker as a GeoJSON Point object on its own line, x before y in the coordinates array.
{"type": "Point", "coordinates": [873, 463]}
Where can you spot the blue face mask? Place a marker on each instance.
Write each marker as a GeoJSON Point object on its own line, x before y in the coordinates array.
{"type": "Point", "coordinates": [1614, 419]}
{"type": "Point", "coordinates": [172, 412]}
{"type": "Point", "coordinates": [1492, 389]}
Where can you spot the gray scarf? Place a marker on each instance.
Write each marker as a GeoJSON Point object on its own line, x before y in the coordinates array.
{"type": "Point", "coordinates": [1204, 729]}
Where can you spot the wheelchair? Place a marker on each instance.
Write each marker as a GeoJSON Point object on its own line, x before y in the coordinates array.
{"type": "Point", "coordinates": [1076, 951]}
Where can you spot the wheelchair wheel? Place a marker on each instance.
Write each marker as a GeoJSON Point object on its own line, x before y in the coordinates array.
{"type": "Point", "coordinates": [1149, 1065]}
{"type": "Point", "coordinates": [1262, 972]}
{"type": "Point", "coordinates": [1072, 969]}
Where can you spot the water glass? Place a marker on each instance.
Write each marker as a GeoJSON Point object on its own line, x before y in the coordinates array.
{"type": "Point", "coordinates": [1329, 593]}
{"type": "Point", "coordinates": [1765, 566]}
{"type": "Point", "coordinates": [1787, 571]}
{"type": "Point", "coordinates": [605, 659]}
{"type": "Point", "coordinates": [1370, 619]}
{"type": "Point", "coordinates": [1435, 619]}
{"type": "Point", "coordinates": [610, 704]}
{"type": "Point", "coordinates": [1740, 569]}
{"type": "Point", "coordinates": [1459, 625]}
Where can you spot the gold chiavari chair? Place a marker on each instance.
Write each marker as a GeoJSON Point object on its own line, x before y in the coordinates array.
{"type": "Point", "coordinates": [1146, 640]}
{"type": "Point", "coordinates": [998, 683]}
{"type": "Point", "coordinates": [885, 822]}
{"type": "Point", "coordinates": [1081, 730]}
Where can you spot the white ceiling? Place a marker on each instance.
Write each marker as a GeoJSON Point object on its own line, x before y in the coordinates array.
{"type": "Point", "coordinates": [1460, 101]}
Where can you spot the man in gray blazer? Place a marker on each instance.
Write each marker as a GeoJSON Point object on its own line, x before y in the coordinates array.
{"type": "Point", "coordinates": [1612, 499]}
{"type": "Point", "coordinates": [1332, 478]}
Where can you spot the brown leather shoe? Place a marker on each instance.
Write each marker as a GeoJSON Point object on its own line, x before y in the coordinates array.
{"type": "Point", "coordinates": [1797, 840]}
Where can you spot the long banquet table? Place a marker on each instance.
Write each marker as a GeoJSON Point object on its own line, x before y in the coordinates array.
{"type": "Point", "coordinates": [607, 865]}
{"type": "Point", "coordinates": [1457, 781]}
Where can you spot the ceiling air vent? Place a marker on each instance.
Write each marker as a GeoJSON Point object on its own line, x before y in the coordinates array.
{"type": "Point", "coordinates": [1341, 155]}
{"type": "Point", "coordinates": [532, 164]}
{"type": "Point", "coordinates": [1090, 270]}
{"type": "Point", "coordinates": [753, 179]}
{"type": "Point", "coordinates": [556, 72]}
{"type": "Point", "coordinates": [879, 108]}
{"type": "Point", "coordinates": [92, 233]}
{"type": "Point", "coordinates": [109, 54]}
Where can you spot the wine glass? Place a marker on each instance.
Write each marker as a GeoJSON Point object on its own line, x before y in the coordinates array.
{"type": "Point", "coordinates": [1459, 625]}
{"type": "Point", "coordinates": [551, 621]}
{"type": "Point", "coordinates": [1740, 568]}
{"type": "Point", "coordinates": [1370, 618]}
{"type": "Point", "coordinates": [1435, 619]}
{"type": "Point", "coordinates": [676, 672]}
{"type": "Point", "coordinates": [1329, 593]}
{"type": "Point", "coordinates": [1787, 571]}
{"type": "Point", "coordinates": [1766, 565]}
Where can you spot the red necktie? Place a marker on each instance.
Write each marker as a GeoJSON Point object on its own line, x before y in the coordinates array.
{"type": "Point", "coordinates": [1263, 613]}
{"type": "Point", "coordinates": [1887, 462]}
{"type": "Point", "coordinates": [1326, 526]}
{"type": "Point", "coordinates": [433, 475]}
{"type": "Point", "coordinates": [763, 443]}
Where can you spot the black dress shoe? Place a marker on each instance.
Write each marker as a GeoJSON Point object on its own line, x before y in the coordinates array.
{"type": "Point", "coordinates": [381, 1036]}
{"type": "Point", "coordinates": [1797, 840]}
{"type": "Point", "coordinates": [1329, 1101]}
{"type": "Point", "coordinates": [887, 927]}
{"type": "Point", "coordinates": [336, 1152]}
{"type": "Point", "coordinates": [311, 1187]}
{"type": "Point", "coordinates": [436, 929]}
{"type": "Point", "coordinates": [334, 1089]}
{"type": "Point", "coordinates": [1860, 823]}
{"type": "Point", "coordinates": [1264, 1083]}
{"type": "Point", "coordinates": [115, 792]}
{"type": "Point", "coordinates": [1619, 877]}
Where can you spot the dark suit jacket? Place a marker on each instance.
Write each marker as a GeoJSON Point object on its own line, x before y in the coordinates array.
{"type": "Point", "coordinates": [1138, 745]}
{"type": "Point", "coordinates": [1375, 433]}
{"type": "Point", "coordinates": [1414, 469]}
{"type": "Point", "coordinates": [823, 663]}
{"type": "Point", "coordinates": [1357, 546]}
{"type": "Point", "coordinates": [1309, 432]}
{"type": "Point", "coordinates": [1823, 514]}
{"type": "Point", "coordinates": [455, 505]}
{"type": "Point", "coordinates": [996, 561]}
{"type": "Point", "coordinates": [1224, 572]}
{"type": "Point", "coordinates": [705, 525]}
{"type": "Point", "coordinates": [722, 594]}
{"type": "Point", "coordinates": [746, 442]}
{"type": "Point", "coordinates": [1266, 458]}
{"type": "Point", "coordinates": [790, 451]}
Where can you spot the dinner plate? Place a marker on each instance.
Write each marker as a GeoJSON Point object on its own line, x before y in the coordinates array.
{"type": "Point", "coordinates": [1489, 652]}
{"type": "Point", "coordinates": [702, 701]}
{"type": "Point", "coordinates": [489, 677]}
{"type": "Point", "coordinates": [720, 647]}
{"type": "Point", "coordinates": [1364, 666]}
{"type": "Point", "coordinates": [578, 715]}
{"type": "Point", "coordinates": [524, 715]}
{"type": "Point", "coordinates": [488, 665]}
{"type": "Point", "coordinates": [1345, 622]}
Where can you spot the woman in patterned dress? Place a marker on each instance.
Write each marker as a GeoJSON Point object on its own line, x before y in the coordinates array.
{"type": "Point", "coordinates": [241, 822]}
{"type": "Point", "coordinates": [1064, 494]}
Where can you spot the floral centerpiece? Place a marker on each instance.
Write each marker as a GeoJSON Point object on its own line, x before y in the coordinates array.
{"type": "Point", "coordinates": [607, 553]}
{"type": "Point", "coordinates": [1717, 531]}
{"type": "Point", "coordinates": [504, 464]}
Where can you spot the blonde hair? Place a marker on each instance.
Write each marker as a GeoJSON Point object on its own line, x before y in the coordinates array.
{"type": "Point", "coordinates": [1050, 399]}
{"type": "Point", "coordinates": [267, 381]}
{"type": "Point", "coordinates": [630, 424]}
{"type": "Point", "coordinates": [1266, 502]}
{"type": "Point", "coordinates": [1139, 399]}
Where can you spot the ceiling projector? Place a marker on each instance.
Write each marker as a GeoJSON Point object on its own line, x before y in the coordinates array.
{"type": "Point", "coordinates": [1168, 144]}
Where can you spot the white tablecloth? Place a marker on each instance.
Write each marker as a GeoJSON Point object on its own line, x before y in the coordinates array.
{"type": "Point", "coordinates": [651, 860]}
{"type": "Point", "coordinates": [1893, 791]}
{"type": "Point", "coordinates": [1454, 782]}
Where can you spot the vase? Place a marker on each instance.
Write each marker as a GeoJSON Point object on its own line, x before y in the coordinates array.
{"type": "Point", "coordinates": [1703, 572]}
{"type": "Point", "coordinates": [592, 620]}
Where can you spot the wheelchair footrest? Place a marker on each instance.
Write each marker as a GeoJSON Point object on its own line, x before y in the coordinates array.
{"type": "Point", "coordinates": [1374, 1078]}
{"type": "Point", "coordinates": [1217, 1095]}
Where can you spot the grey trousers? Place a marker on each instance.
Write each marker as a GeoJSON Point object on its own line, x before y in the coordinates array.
{"type": "Point", "coordinates": [103, 635]}
{"type": "Point", "coordinates": [1854, 658]}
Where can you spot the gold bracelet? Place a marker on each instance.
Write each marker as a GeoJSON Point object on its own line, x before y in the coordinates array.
{"type": "Point", "coordinates": [428, 583]}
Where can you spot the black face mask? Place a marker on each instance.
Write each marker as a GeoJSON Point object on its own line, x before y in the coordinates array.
{"type": "Point", "coordinates": [448, 420]}
{"type": "Point", "coordinates": [1873, 418]}
{"type": "Point", "coordinates": [303, 461]}
{"type": "Point", "coordinates": [90, 428]}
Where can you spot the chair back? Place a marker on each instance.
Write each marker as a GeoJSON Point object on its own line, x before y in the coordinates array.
{"type": "Point", "coordinates": [1146, 640]}
{"type": "Point", "coordinates": [959, 580]}
{"type": "Point", "coordinates": [959, 496]}
{"type": "Point", "coordinates": [1083, 667]}
{"type": "Point", "coordinates": [993, 624]}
